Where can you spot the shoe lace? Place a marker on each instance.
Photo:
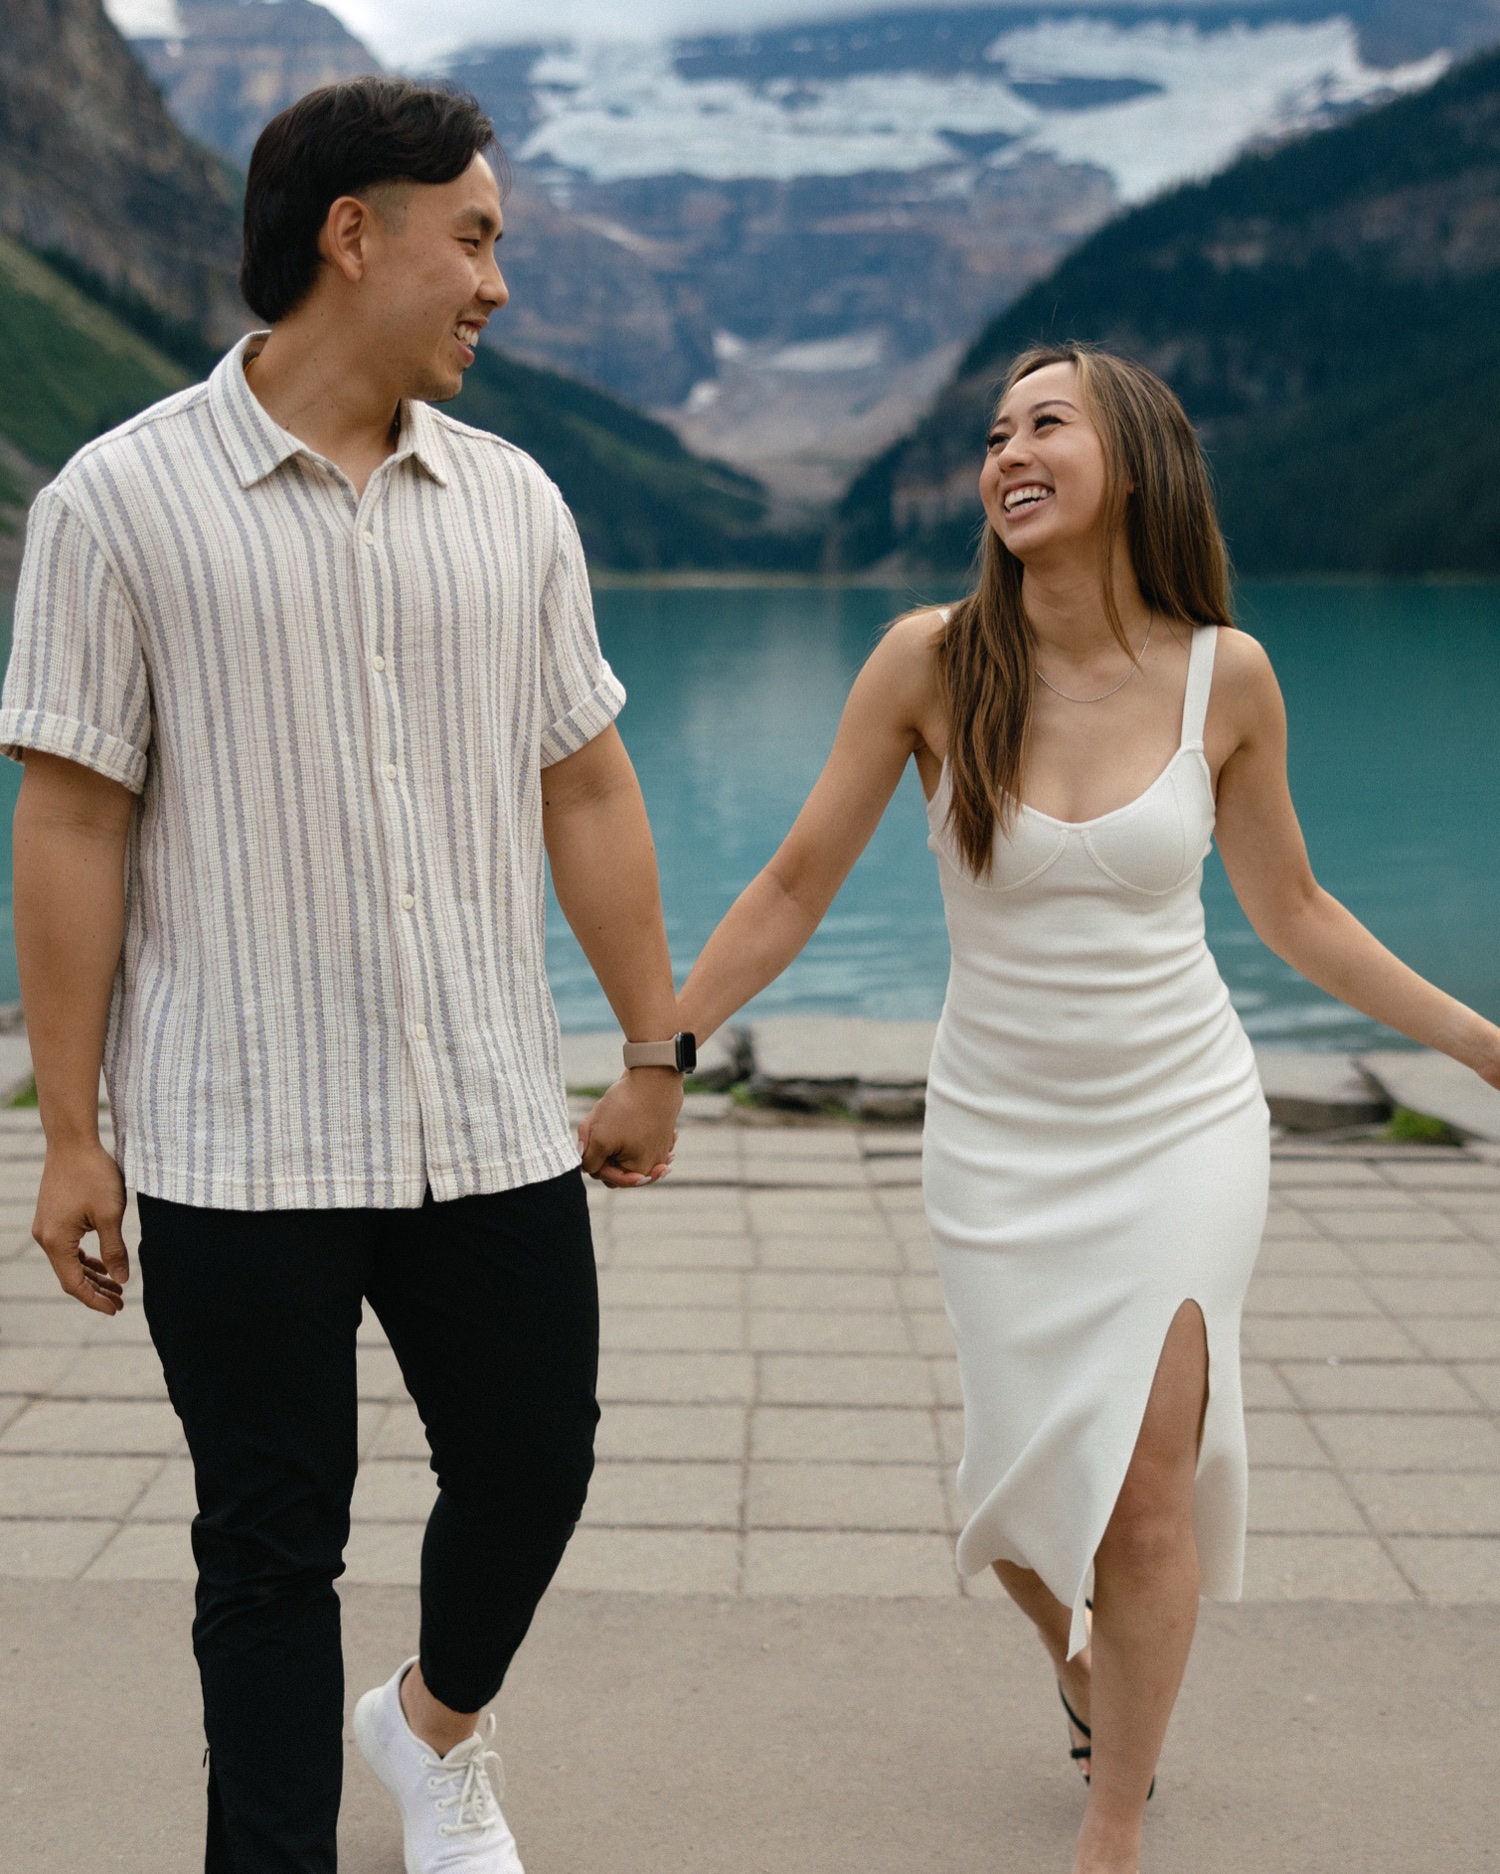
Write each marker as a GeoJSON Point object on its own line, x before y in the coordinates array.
{"type": "Point", "coordinates": [465, 1775]}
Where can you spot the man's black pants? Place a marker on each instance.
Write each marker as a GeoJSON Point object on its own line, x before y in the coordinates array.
{"type": "Point", "coordinates": [491, 1305]}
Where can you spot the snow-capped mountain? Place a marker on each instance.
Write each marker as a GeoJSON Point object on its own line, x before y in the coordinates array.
{"type": "Point", "coordinates": [781, 240]}
{"type": "Point", "coordinates": [826, 212]}
{"type": "Point", "coordinates": [1149, 102]}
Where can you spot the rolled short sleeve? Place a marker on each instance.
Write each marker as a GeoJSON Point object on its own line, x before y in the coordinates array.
{"type": "Point", "coordinates": [77, 683]}
{"type": "Point", "coordinates": [580, 694]}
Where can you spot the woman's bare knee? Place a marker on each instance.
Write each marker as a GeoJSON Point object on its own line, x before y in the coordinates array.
{"type": "Point", "coordinates": [1150, 1529]}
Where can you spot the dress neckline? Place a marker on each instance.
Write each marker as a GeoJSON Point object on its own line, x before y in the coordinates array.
{"type": "Point", "coordinates": [1194, 711]}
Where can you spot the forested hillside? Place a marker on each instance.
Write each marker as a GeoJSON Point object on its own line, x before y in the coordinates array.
{"type": "Point", "coordinates": [118, 246]}
{"type": "Point", "coordinates": [75, 359]}
{"type": "Point", "coordinates": [1330, 314]}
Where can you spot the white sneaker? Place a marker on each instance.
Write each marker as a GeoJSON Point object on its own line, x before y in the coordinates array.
{"type": "Point", "coordinates": [449, 1806]}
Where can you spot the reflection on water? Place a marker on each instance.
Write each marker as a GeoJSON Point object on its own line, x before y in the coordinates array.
{"type": "Point", "coordinates": [1393, 693]}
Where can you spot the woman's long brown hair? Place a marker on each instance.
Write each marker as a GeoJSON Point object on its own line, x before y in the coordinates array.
{"type": "Point", "coordinates": [1157, 485]}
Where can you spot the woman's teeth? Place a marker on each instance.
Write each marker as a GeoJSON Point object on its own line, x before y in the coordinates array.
{"type": "Point", "coordinates": [1027, 497]}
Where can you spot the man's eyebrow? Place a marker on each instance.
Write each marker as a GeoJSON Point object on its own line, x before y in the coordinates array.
{"type": "Point", "coordinates": [481, 218]}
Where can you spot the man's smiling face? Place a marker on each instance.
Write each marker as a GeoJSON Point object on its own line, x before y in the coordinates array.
{"type": "Point", "coordinates": [431, 279]}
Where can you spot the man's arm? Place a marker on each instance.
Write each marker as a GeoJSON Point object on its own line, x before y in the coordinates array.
{"type": "Point", "coordinates": [604, 873]}
{"type": "Point", "coordinates": [70, 831]}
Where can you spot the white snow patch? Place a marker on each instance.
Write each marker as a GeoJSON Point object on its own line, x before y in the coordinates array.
{"type": "Point", "coordinates": [1219, 90]}
{"type": "Point", "coordinates": [853, 351]}
{"type": "Point", "coordinates": [615, 110]}
{"type": "Point", "coordinates": [146, 19]}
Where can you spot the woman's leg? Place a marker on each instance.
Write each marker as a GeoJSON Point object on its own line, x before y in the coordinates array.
{"type": "Point", "coordinates": [1145, 1603]}
{"type": "Point", "coordinates": [1053, 1622]}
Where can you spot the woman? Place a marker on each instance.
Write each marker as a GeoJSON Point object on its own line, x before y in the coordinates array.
{"type": "Point", "coordinates": [1096, 1152]}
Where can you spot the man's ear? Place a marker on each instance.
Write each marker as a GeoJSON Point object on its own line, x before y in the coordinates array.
{"type": "Point", "coordinates": [344, 239]}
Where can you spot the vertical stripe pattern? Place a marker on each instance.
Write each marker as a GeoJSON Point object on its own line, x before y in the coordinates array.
{"type": "Point", "coordinates": [335, 710]}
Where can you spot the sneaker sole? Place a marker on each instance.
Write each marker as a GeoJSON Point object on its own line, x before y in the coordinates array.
{"type": "Point", "coordinates": [370, 1749]}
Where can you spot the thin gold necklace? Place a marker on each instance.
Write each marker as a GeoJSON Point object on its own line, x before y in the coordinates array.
{"type": "Point", "coordinates": [1103, 694]}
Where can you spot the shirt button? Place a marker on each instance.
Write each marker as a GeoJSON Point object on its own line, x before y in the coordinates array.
{"type": "Point", "coordinates": [368, 538]}
{"type": "Point", "coordinates": [407, 901]}
{"type": "Point", "coordinates": [389, 770]}
{"type": "Point", "coordinates": [379, 663]}
{"type": "Point", "coordinates": [419, 1032]}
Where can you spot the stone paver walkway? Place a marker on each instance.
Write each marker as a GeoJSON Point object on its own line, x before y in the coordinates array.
{"type": "Point", "coordinates": [780, 1397]}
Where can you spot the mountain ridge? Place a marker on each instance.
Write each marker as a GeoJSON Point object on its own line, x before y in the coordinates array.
{"type": "Point", "coordinates": [93, 166]}
{"type": "Point", "coordinates": [779, 240]}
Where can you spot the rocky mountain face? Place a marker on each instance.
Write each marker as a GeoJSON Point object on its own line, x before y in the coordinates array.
{"type": "Point", "coordinates": [93, 168]}
{"type": "Point", "coordinates": [811, 221]}
{"type": "Point", "coordinates": [232, 66]}
{"type": "Point", "coordinates": [1330, 315]}
{"type": "Point", "coordinates": [781, 241]}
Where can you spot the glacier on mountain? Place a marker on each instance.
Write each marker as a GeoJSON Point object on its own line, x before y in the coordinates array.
{"type": "Point", "coordinates": [618, 110]}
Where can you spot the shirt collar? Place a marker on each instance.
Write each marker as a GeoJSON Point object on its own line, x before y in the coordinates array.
{"type": "Point", "coordinates": [257, 444]}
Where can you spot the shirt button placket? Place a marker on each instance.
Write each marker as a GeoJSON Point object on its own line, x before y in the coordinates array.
{"type": "Point", "coordinates": [416, 1030]}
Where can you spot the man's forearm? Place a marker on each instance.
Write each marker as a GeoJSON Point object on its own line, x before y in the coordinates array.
{"type": "Point", "coordinates": [69, 843]}
{"type": "Point", "coordinates": [604, 873]}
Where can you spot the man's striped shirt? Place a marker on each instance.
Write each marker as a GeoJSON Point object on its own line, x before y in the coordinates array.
{"type": "Point", "coordinates": [336, 710]}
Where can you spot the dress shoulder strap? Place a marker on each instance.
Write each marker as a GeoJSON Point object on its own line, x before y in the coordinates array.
{"type": "Point", "coordinates": [1200, 679]}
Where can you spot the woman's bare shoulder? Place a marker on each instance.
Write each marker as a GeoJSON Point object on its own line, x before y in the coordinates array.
{"type": "Point", "coordinates": [913, 637]}
{"type": "Point", "coordinates": [1241, 664]}
{"type": "Point", "coordinates": [904, 662]}
{"type": "Point", "coordinates": [1245, 687]}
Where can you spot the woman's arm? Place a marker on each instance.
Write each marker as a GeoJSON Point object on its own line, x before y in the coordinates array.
{"type": "Point", "coordinates": [882, 726]}
{"type": "Point", "coordinates": [1264, 854]}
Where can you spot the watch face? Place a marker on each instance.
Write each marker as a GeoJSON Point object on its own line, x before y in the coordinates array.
{"type": "Point", "coordinates": [687, 1053]}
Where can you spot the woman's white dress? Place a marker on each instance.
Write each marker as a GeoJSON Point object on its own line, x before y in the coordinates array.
{"type": "Point", "coordinates": [1096, 1153]}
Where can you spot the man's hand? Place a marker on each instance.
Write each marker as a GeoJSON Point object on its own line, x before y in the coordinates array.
{"type": "Point", "coordinates": [82, 1191]}
{"type": "Point", "coordinates": [628, 1137]}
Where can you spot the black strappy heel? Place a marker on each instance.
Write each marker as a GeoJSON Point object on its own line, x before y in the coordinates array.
{"type": "Point", "coordinates": [1082, 1754]}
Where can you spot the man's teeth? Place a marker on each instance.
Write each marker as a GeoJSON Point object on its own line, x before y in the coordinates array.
{"type": "Point", "coordinates": [1025, 497]}
{"type": "Point", "coordinates": [466, 334]}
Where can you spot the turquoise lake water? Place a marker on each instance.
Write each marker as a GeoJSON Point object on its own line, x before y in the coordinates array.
{"type": "Point", "coordinates": [1393, 696]}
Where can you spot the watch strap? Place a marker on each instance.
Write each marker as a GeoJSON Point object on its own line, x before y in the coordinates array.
{"type": "Point", "coordinates": [680, 1053]}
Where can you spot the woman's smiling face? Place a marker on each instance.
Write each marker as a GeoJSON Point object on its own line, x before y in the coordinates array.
{"type": "Point", "coordinates": [1045, 475]}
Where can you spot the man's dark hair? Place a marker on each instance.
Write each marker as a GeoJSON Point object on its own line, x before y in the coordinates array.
{"type": "Point", "coordinates": [341, 140]}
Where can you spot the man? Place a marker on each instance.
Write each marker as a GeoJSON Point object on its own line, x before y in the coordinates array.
{"type": "Point", "coordinates": [305, 676]}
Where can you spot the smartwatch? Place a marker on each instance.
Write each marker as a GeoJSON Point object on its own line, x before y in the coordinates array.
{"type": "Point", "coordinates": [681, 1053]}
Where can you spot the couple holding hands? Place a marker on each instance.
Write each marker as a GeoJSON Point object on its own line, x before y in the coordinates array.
{"type": "Point", "coordinates": [306, 684]}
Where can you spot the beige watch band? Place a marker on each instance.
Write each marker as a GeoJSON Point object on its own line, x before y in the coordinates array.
{"type": "Point", "coordinates": [680, 1053]}
{"type": "Point", "coordinates": [650, 1053]}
